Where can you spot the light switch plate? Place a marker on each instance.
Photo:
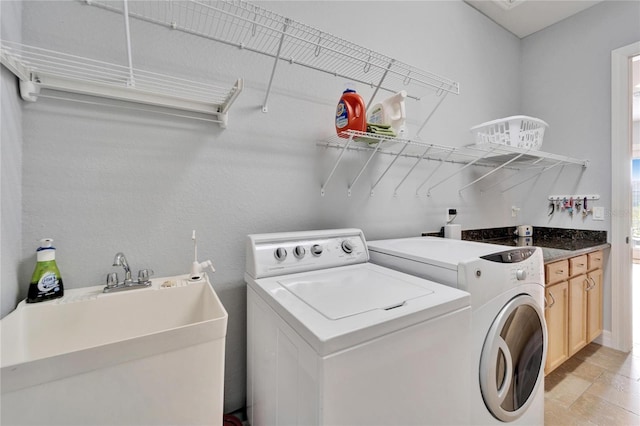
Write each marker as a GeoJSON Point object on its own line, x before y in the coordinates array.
{"type": "Point", "coordinates": [598, 213]}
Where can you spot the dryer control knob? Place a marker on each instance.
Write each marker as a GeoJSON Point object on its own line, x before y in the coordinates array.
{"type": "Point", "coordinates": [299, 252]}
{"type": "Point", "coordinates": [280, 253]}
{"type": "Point", "coordinates": [521, 274]}
{"type": "Point", "coordinates": [347, 247]}
{"type": "Point", "coordinates": [316, 249]}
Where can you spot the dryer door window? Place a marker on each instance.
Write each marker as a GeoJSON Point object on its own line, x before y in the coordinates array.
{"type": "Point", "coordinates": [512, 360]}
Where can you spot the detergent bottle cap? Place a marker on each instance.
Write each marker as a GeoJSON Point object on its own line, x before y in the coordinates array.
{"type": "Point", "coordinates": [46, 251]}
{"type": "Point", "coordinates": [45, 244]}
{"type": "Point", "coordinates": [349, 87]}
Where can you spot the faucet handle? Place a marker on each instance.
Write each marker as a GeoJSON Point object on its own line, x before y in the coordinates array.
{"type": "Point", "coordinates": [143, 275]}
{"type": "Point", "coordinates": [112, 279]}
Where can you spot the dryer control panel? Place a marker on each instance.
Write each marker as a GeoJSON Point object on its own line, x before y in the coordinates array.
{"type": "Point", "coordinates": [292, 252]}
{"type": "Point", "coordinates": [510, 256]}
{"type": "Point", "coordinates": [525, 266]}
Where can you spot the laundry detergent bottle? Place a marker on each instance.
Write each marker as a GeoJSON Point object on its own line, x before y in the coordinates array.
{"type": "Point", "coordinates": [391, 112]}
{"type": "Point", "coordinates": [46, 282]}
{"type": "Point", "coordinates": [350, 113]}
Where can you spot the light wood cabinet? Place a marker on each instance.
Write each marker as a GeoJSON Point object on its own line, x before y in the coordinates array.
{"type": "Point", "coordinates": [556, 272]}
{"type": "Point", "coordinates": [577, 313]}
{"type": "Point", "coordinates": [556, 315]}
{"type": "Point", "coordinates": [573, 305]}
{"type": "Point", "coordinates": [577, 265]}
{"type": "Point", "coordinates": [594, 304]}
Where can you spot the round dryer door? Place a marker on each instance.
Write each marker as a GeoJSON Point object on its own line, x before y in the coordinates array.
{"type": "Point", "coordinates": [511, 363]}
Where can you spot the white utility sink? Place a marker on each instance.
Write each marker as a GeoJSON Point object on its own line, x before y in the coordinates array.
{"type": "Point", "coordinates": [153, 355]}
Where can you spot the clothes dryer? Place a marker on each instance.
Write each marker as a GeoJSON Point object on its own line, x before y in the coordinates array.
{"type": "Point", "coordinates": [333, 339]}
{"type": "Point", "coordinates": [509, 336]}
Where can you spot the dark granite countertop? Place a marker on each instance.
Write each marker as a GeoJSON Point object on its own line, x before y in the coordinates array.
{"type": "Point", "coordinates": [556, 243]}
{"type": "Point", "coordinates": [554, 250]}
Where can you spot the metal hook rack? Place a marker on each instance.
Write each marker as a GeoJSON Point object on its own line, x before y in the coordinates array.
{"type": "Point", "coordinates": [496, 157]}
{"type": "Point", "coordinates": [575, 197]}
{"type": "Point", "coordinates": [571, 204]}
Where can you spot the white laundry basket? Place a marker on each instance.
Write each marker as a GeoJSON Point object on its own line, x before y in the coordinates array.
{"type": "Point", "coordinates": [518, 131]}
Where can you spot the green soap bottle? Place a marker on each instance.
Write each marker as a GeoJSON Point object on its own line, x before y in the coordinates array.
{"type": "Point", "coordinates": [46, 282]}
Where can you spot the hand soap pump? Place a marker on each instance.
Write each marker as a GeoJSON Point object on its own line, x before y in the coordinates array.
{"type": "Point", "coordinates": [46, 282]}
{"type": "Point", "coordinates": [197, 267]}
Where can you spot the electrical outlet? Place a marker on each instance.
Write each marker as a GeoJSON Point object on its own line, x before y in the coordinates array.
{"type": "Point", "coordinates": [514, 211]}
{"type": "Point", "coordinates": [598, 213]}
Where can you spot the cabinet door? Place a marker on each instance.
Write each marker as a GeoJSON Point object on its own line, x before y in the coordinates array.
{"type": "Point", "coordinates": [556, 315]}
{"type": "Point", "coordinates": [594, 304]}
{"type": "Point", "coordinates": [577, 313]}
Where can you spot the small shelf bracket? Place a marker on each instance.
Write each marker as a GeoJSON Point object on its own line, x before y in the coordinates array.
{"type": "Point", "coordinates": [364, 166]}
{"type": "Point", "coordinates": [491, 172]}
{"type": "Point", "coordinates": [384, 75]}
{"type": "Point", "coordinates": [544, 170]}
{"type": "Point", "coordinates": [415, 164]}
{"type": "Point", "coordinates": [426, 120]}
{"type": "Point", "coordinates": [265, 107]}
{"type": "Point", "coordinates": [388, 167]}
{"type": "Point", "coordinates": [433, 172]}
{"type": "Point", "coordinates": [335, 166]}
{"type": "Point", "coordinates": [469, 164]}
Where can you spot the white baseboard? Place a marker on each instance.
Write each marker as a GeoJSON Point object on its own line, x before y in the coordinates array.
{"type": "Point", "coordinates": [605, 339]}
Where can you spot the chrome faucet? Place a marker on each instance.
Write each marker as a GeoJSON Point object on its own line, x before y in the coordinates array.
{"type": "Point", "coordinates": [128, 284]}
{"type": "Point", "coordinates": [120, 260]}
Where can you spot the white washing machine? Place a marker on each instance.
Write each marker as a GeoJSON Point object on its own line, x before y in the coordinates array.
{"type": "Point", "coordinates": [335, 340]}
{"type": "Point", "coordinates": [509, 336]}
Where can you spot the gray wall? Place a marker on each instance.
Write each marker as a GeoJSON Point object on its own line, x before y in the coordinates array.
{"type": "Point", "coordinates": [101, 179]}
{"type": "Point", "coordinates": [566, 72]}
{"type": "Point", "coordinates": [10, 166]}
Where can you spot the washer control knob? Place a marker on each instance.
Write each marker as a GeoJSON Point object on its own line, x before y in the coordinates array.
{"type": "Point", "coordinates": [521, 274]}
{"type": "Point", "coordinates": [299, 252]}
{"type": "Point", "coordinates": [316, 249]}
{"type": "Point", "coordinates": [347, 247]}
{"type": "Point", "coordinates": [280, 253]}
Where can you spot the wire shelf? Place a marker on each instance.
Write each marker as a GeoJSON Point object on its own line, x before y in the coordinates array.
{"type": "Point", "coordinates": [250, 27]}
{"type": "Point", "coordinates": [43, 68]}
{"type": "Point", "coordinates": [493, 156]}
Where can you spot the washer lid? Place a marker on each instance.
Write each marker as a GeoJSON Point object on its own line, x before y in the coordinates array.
{"type": "Point", "coordinates": [338, 294]}
{"type": "Point", "coordinates": [337, 308]}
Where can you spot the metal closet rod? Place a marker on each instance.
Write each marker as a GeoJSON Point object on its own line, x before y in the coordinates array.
{"type": "Point", "coordinates": [121, 107]}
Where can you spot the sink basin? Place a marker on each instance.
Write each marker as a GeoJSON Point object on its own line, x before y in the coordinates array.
{"type": "Point", "coordinates": [165, 343]}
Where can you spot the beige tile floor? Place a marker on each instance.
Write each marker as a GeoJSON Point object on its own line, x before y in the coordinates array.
{"type": "Point", "coordinates": [598, 385]}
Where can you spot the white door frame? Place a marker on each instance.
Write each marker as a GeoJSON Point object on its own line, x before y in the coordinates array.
{"type": "Point", "coordinates": [621, 249]}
